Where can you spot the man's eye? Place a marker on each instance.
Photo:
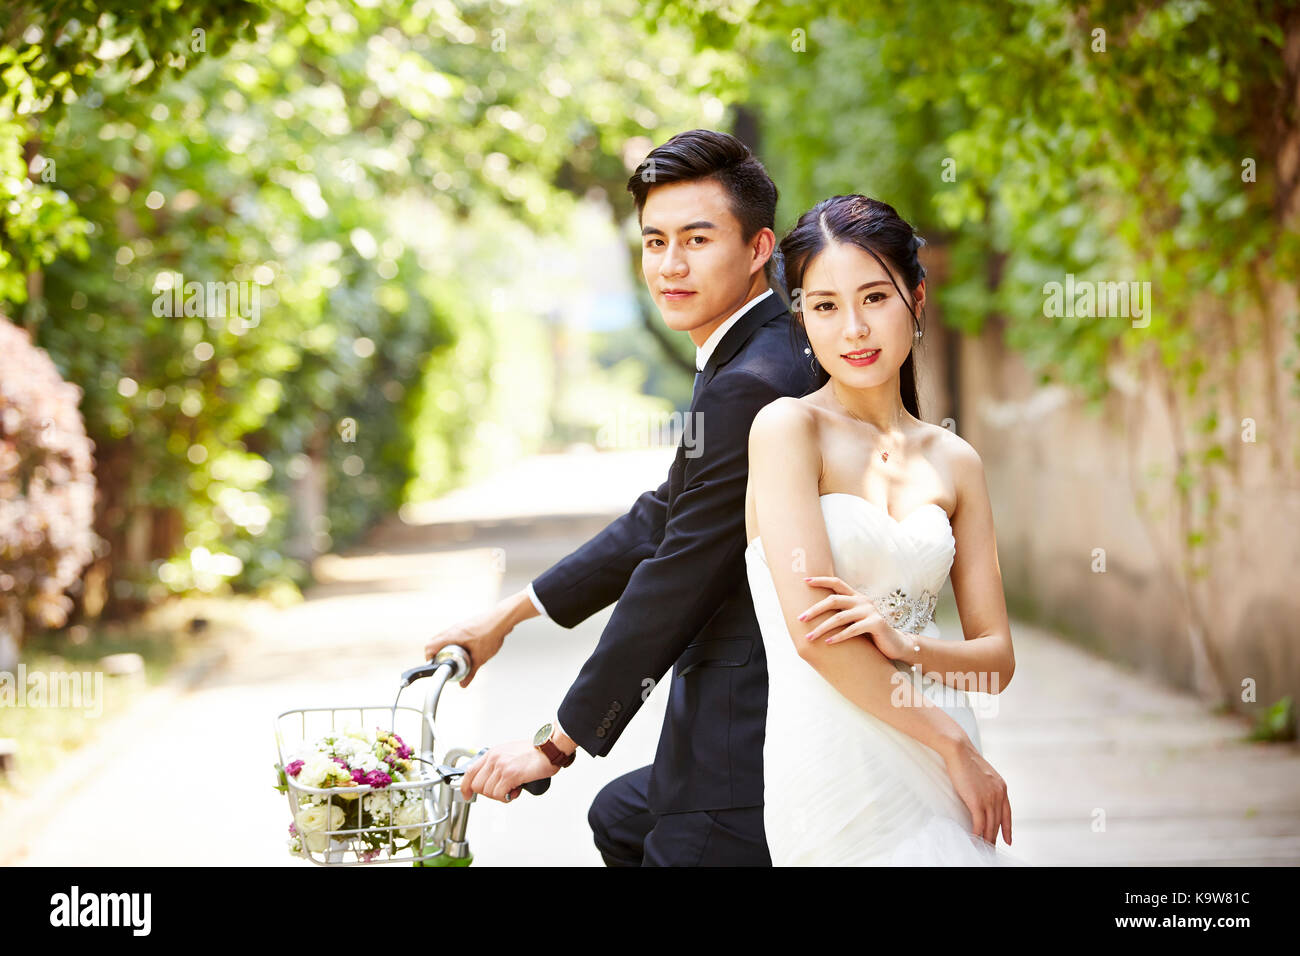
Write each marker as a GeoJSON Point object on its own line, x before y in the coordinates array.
{"type": "Point", "coordinates": [702, 239]}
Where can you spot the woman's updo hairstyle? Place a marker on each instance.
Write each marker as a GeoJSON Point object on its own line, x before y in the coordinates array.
{"type": "Point", "coordinates": [877, 229]}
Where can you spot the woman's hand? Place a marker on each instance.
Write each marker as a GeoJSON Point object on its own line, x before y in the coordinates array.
{"type": "Point", "coordinates": [857, 616]}
{"type": "Point", "coordinates": [983, 791]}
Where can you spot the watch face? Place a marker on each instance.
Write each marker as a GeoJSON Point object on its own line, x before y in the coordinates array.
{"type": "Point", "coordinates": [542, 735]}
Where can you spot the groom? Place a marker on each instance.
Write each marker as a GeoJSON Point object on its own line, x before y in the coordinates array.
{"type": "Point", "coordinates": [675, 562]}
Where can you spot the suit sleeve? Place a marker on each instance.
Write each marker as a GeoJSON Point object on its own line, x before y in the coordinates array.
{"type": "Point", "coordinates": [699, 563]}
{"type": "Point", "coordinates": [593, 576]}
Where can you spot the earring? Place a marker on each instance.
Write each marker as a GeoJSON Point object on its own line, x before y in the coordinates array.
{"type": "Point", "coordinates": [916, 334]}
{"type": "Point", "coordinates": [812, 359]}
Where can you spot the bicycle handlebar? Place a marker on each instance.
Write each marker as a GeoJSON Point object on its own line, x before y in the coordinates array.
{"type": "Point", "coordinates": [535, 787]}
{"type": "Point", "coordinates": [457, 658]}
{"type": "Point", "coordinates": [452, 654]}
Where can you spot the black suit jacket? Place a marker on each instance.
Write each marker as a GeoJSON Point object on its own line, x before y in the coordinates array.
{"type": "Point", "coordinates": [675, 563]}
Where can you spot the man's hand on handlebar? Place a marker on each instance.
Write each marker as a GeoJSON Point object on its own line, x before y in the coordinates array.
{"type": "Point", "coordinates": [483, 634]}
{"type": "Point", "coordinates": [501, 772]}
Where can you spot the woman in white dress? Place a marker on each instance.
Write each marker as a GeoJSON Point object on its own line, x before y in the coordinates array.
{"type": "Point", "coordinates": [856, 512]}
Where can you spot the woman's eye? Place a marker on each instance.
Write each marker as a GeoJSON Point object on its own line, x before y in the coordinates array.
{"type": "Point", "coordinates": [875, 296]}
{"type": "Point", "coordinates": [828, 305]}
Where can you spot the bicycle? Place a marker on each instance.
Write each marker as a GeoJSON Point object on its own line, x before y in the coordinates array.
{"type": "Point", "coordinates": [444, 819]}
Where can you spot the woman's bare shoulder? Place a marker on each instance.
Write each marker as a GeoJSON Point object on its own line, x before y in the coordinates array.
{"type": "Point", "coordinates": [786, 418]}
{"type": "Point", "coordinates": [957, 456]}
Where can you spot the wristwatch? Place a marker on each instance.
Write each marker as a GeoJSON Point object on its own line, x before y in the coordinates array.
{"type": "Point", "coordinates": [557, 757]}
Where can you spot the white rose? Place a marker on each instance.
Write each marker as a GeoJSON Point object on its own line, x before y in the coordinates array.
{"type": "Point", "coordinates": [408, 814]}
{"type": "Point", "coordinates": [315, 819]}
{"type": "Point", "coordinates": [348, 746]}
{"type": "Point", "coordinates": [306, 753]}
{"type": "Point", "coordinates": [315, 771]}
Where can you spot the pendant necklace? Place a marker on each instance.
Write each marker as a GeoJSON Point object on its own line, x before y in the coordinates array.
{"type": "Point", "coordinates": [884, 455]}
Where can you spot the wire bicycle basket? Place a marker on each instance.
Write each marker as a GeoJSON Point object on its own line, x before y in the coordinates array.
{"type": "Point", "coordinates": [421, 821]}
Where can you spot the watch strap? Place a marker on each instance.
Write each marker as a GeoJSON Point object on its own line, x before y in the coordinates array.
{"type": "Point", "coordinates": [555, 755]}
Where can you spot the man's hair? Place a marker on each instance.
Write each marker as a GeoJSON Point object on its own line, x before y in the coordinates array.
{"type": "Point", "coordinates": [707, 154]}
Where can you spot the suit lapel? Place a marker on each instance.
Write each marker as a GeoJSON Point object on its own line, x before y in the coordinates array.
{"type": "Point", "coordinates": [736, 336]}
{"type": "Point", "coordinates": [753, 320]}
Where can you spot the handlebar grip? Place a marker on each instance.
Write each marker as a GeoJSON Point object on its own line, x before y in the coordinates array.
{"type": "Point", "coordinates": [453, 656]}
{"type": "Point", "coordinates": [538, 787]}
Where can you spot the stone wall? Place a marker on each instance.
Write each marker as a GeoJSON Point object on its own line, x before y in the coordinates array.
{"type": "Point", "coordinates": [1066, 482]}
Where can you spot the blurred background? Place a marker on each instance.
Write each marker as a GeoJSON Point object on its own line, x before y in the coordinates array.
{"type": "Point", "coordinates": [322, 327]}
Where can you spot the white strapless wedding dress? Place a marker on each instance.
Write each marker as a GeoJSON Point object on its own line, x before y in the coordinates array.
{"type": "Point", "coordinates": [842, 787]}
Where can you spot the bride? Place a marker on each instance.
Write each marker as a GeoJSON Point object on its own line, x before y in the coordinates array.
{"type": "Point", "coordinates": [855, 512]}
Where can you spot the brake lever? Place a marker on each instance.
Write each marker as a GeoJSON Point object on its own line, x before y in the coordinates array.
{"type": "Point", "coordinates": [452, 654]}
{"type": "Point", "coordinates": [446, 774]}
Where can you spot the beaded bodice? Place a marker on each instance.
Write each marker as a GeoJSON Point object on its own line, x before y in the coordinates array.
{"type": "Point", "coordinates": [899, 565]}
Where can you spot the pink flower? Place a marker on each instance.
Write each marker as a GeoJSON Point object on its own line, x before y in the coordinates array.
{"type": "Point", "coordinates": [293, 768]}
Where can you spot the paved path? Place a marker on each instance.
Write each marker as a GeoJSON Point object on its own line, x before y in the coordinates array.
{"type": "Point", "coordinates": [1104, 766]}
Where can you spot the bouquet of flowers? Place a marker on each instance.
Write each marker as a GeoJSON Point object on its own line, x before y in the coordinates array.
{"type": "Point", "coordinates": [354, 758]}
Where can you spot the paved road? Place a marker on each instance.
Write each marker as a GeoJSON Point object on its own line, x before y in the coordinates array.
{"type": "Point", "coordinates": [1104, 766]}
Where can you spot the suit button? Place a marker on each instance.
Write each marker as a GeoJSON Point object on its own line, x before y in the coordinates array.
{"type": "Point", "coordinates": [600, 731]}
{"type": "Point", "coordinates": [615, 706]}
{"type": "Point", "coordinates": [607, 723]}
{"type": "Point", "coordinates": [610, 714]}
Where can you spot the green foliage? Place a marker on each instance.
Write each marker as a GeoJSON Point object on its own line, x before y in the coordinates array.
{"type": "Point", "coordinates": [1277, 723]}
{"type": "Point", "coordinates": [1111, 165]}
{"type": "Point", "coordinates": [367, 171]}
{"type": "Point", "coordinates": [50, 53]}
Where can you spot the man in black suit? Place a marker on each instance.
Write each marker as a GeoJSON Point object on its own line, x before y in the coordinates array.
{"type": "Point", "coordinates": [675, 562]}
